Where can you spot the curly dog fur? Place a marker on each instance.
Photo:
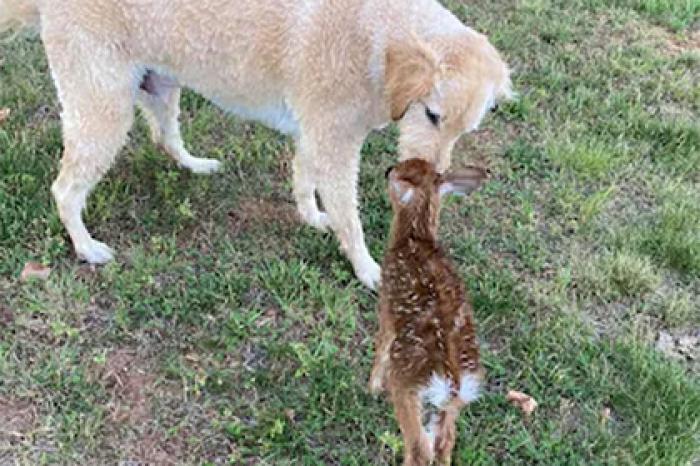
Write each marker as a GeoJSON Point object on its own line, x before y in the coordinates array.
{"type": "Point", "coordinates": [324, 72]}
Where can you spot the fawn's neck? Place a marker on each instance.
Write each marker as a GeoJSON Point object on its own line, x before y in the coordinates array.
{"type": "Point", "coordinates": [414, 224]}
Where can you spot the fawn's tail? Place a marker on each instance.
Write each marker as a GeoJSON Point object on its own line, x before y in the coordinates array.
{"type": "Point", "coordinates": [18, 15]}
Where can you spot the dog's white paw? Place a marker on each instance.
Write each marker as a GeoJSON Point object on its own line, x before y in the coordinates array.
{"type": "Point", "coordinates": [203, 166]}
{"type": "Point", "coordinates": [94, 252]}
{"type": "Point", "coordinates": [369, 274]}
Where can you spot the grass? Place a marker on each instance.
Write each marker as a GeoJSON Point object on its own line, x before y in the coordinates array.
{"type": "Point", "coordinates": [228, 333]}
{"type": "Point", "coordinates": [620, 274]}
{"type": "Point", "coordinates": [674, 233]}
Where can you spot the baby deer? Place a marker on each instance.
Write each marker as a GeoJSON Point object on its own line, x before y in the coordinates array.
{"type": "Point", "coordinates": [427, 355]}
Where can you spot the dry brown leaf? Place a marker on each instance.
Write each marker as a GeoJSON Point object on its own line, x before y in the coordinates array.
{"type": "Point", "coordinates": [34, 270]}
{"type": "Point", "coordinates": [526, 403]}
{"type": "Point", "coordinates": [192, 357]}
{"type": "Point", "coordinates": [4, 114]}
{"type": "Point", "coordinates": [291, 415]}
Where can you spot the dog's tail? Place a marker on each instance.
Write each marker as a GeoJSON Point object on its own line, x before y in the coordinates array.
{"type": "Point", "coordinates": [18, 15]}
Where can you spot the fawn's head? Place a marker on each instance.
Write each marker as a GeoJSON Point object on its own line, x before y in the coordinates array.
{"type": "Point", "coordinates": [416, 188]}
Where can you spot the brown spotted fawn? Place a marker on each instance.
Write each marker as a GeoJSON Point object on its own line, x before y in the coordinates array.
{"type": "Point", "coordinates": [427, 354]}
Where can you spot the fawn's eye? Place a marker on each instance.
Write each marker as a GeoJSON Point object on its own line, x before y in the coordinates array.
{"type": "Point", "coordinates": [433, 117]}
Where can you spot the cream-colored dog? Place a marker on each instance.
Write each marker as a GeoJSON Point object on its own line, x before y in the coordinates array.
{"type": "Point", "coordinates": [324, 71]}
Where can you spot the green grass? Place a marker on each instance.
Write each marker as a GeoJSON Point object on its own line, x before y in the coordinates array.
{"type": "Point", "coordinates": [674, 233]}
{"type": "Point", "coordinates": [228, 333]}
{"type": "Point", "coordinates": [675, 14]}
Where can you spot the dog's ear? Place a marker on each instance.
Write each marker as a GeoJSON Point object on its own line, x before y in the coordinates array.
{"type": "Point", "coordinates": [462, 182]}
{"type": "Point", "coordinates": [411, 71]}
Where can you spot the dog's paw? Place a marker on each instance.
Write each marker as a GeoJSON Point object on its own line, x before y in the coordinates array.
{"type": "Point", "coordinates": [94, 252]}
{"type": "Point", "coordinates": [369, 274]}
{"type": "Point", "coordinates": [203, 166]}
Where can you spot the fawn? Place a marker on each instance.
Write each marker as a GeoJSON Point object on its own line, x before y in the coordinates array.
{"type": "Point", "coordinates": [427, 354]}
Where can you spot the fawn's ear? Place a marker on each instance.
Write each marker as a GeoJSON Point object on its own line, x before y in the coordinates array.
{"type": "Point", "coordinates": [411, 72]}
{"type": "Point", "coordinates": [462, 182]}
{"type": "Point", "coordinates": [401, 190]}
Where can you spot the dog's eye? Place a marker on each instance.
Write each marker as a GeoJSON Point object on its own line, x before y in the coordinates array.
{"type": "Point", "coordinates": [433, 117]}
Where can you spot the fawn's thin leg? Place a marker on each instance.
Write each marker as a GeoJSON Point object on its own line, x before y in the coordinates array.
{"type": "Point", "coordinates": [381, 362]}
{"type": "Point", "coordinates": [418, 448]}
{"type": "Point", "coordinates": [382, 345]}
{"type": "Point", "coordinates": [445, 434]}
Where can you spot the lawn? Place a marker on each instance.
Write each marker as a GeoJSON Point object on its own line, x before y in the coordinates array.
{"type": "Point", "coordinates": [228, 333]}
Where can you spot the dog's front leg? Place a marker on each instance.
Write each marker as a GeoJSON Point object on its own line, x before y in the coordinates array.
{"type": "Point", "coordinates": [336, 161]}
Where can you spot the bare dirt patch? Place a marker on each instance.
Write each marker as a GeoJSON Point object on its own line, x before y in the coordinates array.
{"type": "Point", "coordinates": [17, 418]}
{"type": "Point", "coordinates": [254, 212]}
{"type": "Point", "coordinates": [691, 43]}
{"type": "Point", "coordinates": [17, 422]}
{"type": "Point", "coordinates": [155, 449]}
{"type": "Point", "coordinates": [129, 383]}
{"type": "Point", "coordinates": [681, 345]}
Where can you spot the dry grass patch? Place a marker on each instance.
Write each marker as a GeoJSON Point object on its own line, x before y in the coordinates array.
{"type": "Point", "coordinates": [616, 275]}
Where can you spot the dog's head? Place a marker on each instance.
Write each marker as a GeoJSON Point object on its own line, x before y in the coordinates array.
{"type": "Point", "coordinates": [441, 89]}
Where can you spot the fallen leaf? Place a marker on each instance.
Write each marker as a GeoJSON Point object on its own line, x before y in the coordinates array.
{"type": "Point", "coordinates": [192, 357]}
{"type": "Point", "coordinates": [34, 270]}
{"type": "Point", "coordinates": [290, 414]}
{"type": "Point", "coordinates": [268, 318]}
{"type": "Point", "coordinates": [605, 414]}
{"type": "Point", "coordinates": [4, 113]}
{"type": "Point", "coordinates": [526, 403]}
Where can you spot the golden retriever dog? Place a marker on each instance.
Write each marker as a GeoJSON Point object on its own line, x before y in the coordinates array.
{"type": "Point", "coordinates": [326, 72]}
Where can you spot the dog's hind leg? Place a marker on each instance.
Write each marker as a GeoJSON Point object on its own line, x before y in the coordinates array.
{"type": "Point", "coordinates": [97, 90]}
{"type": "Point", "coordinates": [159, 99]}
